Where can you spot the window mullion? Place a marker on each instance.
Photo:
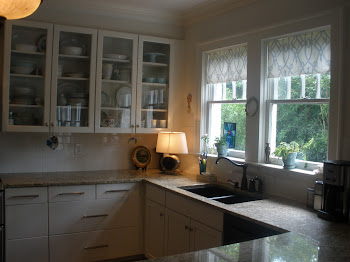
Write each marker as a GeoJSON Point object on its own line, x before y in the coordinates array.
{"type": "Point", "coordinates": [234, 90]}
{"type": "Point", "coordinates": [275, 88]}
{"type": "Point", "coordinates": [302, 92]}
{"type": "Point", "coordinates": [318, 88]}
{"type": "Point", "coordinates": [244, 95]}
{"type": "Point", "coordinates": [289, 87]}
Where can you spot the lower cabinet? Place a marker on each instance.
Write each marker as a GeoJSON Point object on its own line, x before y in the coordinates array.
{"type": "Point", "coordinates": [96, 245]}
{"type": "Point", "coordinates": [172, 224]}
{"type": "Point", "coordinates": [29, 250]}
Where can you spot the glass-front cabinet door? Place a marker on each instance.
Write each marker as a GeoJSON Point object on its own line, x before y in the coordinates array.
{"type": "Point", "coordinates": [116, 82]}
{"type": "Point", "coordinates": [73, 79]}
{"type": "Point", "coordinates": [26, 76]}
{"type": "Point", "coordinates": [154, 84]}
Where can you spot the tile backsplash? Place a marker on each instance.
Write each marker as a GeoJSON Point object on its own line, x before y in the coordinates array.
{"type": "Point", "coordinates": [28, 152]}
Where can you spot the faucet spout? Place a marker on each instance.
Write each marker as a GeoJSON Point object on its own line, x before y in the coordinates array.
{"type": "Point", "coordinates": [244, 183]}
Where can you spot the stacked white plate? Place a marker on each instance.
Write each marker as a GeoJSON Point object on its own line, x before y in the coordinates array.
{"type": "Point", "coordinates": [116, 56]}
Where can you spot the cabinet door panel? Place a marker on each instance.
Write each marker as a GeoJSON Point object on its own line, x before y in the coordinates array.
{"type": "Point", "coordinates": [29, 250]}
{"type": "Point", "coordinates": [95, 246]}
{"type": "Point", "coordinates": [177, 233]}
{"type": "Point", "coordinates": [23, 221]}
{"type": "Point", "coordinates": [79, 216]}
{"type": "Point", "coordinates": [204, 237]}
{"type": "Point", "coordinates": [155, 194]}
{"type": "Point", "coordinates": [154, 236]}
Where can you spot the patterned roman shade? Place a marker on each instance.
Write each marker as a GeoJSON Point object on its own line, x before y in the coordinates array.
{"type": "Point", "coordinates": [308, 53]}
{"type": "Point", "coordinates": [227, 65]}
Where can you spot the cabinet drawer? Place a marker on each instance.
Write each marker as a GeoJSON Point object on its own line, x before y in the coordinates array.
{"type": "Point", "coordinates": [23, 221]}
{"type": "Point", "coordinates": [97, 245]}
{"type": "Point", "coordinates": [25, 195]}
{"type": "Point", "coordinates": [29, 250]}
{"type": "Point", "coordinates": [116, 191]}
{"type": "Point", "coordinates": [155, 194]}
{"type": "Point", "coordinates": [195, 210]}
{"type": "Point", "coordinates": [80, 216]}
{"type": "Point", "coordinates": [71, 193]}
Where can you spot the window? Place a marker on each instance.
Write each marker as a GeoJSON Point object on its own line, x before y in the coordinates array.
{"type": "Point", "coordinates": [298, 92]}
{"type": "Point", "coordinates": [224, 97]}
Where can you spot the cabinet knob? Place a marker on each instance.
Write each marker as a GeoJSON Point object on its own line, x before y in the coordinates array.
{"type": "Point", "coordinates": [186, 227]}
{"type": "Point", "coordinates": [46, 124]}
{"type": "Point", "coordinates": [190, 229]}
{"type": "Point", "coordinates": [132, 125]}
{"type": "Point", "coordinates": [137, 125]}
{"type": "Point", "coordinates": [161, 214]}
{"type": "Point", "coordinates": [52, 124]}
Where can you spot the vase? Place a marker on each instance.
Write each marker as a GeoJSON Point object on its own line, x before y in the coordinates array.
{"type": "Point", "coordinates": [289, 162]}
{"type": "Point", "coordinates": [203, 163]}
{"type": "Point", "coordinates": [222, 150]}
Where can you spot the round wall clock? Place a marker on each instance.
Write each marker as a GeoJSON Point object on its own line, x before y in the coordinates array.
{"type": "Point", "coordinates": [141, 157]}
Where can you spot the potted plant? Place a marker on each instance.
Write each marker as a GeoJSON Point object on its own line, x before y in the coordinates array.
{"type": "Point", "coordinates": [221, 145]}
{"type": "Point", "coordinates": [288, 152]}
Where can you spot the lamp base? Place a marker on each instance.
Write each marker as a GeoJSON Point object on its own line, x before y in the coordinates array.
{"type": "Point", "coordinates": [170, 162]}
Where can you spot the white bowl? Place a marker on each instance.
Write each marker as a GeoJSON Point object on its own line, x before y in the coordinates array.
{"type": "Point", "coordinates": [116, 56]}
{"type": "Point", "coordinates": [26, 48]}
{"type": "Point", "coordinates": [25, 63]}
{"type": "Point", "coordinates": [71, 50]}
{"type": "Point", "coordinates": [23, 91]}
{"type": "Point", "coordinates": [26, 70]}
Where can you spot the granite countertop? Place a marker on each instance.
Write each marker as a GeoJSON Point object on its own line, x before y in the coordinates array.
{"type": "Point", "coordinates": [311, 238]}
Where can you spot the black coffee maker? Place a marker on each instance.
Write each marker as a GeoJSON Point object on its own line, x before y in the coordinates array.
{"type": "Point", "coordinates": [336, 191]}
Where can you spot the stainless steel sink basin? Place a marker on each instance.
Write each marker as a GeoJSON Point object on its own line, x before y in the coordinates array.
{"type": "Point", "coordinates": [220, 194]}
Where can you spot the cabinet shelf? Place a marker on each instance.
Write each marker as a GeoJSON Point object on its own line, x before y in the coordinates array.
{"type": "Point", "coordinates": [26, 75]}
{"type": "Point", "coordinates": [154, 110]}
{"type": "Point", "coordinates": [74, 107]}
{"type": "Point", "coordinates": [28, 53]}
{"type": "Point", "coordinates": [72, 78]}
{"type": "Point", "coordinates": [26, 106]}
{"type": "Point", "coordinates": [115, 81]}
{"type": "Point", "coordinates": [155, 64]}
{"type": "Point", "coordinates": [83, 57]}
{"type": "Point", "coordinates": [115, 60]}
{"type": "Point", "coordinates": [154, 84]}
{"type": "Point", "coordinates": [114, 108]}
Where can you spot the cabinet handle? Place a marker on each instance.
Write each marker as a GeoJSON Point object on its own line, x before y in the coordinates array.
{"type": "Point", "coordinates": [26, 196]}
{"type": "Point", "coordinates": [71, 193]}
{"type": "Point", "coordinates": [132, 125]}
{"type": "Point", "coordinates": [161, 214]}
{"type": "Point", "coordinates": [46, 124]}
{"type": "Point", "coordinates": [186, 227]}
{"type": "Point", "coordinates": [190, 229]}
{"type": "Point", "coordinates": [116, 190]}
{"type": "Point", "coordinates": [52, 124]}
{"type": "Point", "coordinates": [93, 216]}
{"type": "Point", "coordinates": [95, 247]}
{"type": "Point", "coordinates": [137, 125]}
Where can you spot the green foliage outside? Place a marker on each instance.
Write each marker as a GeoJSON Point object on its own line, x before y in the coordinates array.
{"type": "Point", "coordinates": [235, 113]}
{"type": "Point", "coordinates": [296, 122]}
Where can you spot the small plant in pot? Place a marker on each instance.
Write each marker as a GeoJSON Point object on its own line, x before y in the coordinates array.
{"type": "Point", "coordinates": [288, 152]}
{"type": "Point", "coordinates": [221, 145]}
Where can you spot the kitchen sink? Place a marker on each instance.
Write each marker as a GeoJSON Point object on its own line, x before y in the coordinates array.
{"type": "Point", "coordinates": [220, 194]}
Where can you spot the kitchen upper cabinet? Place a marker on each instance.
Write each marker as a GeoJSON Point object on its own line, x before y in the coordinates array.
{"type": "Point", "coordinates": [116, 82]}
{"type": "Point", "coordinates": [26, 76]}
{"type": "Point", "coordinates": [73, 79]}
{"type": "Point", "coordinates": [48, 77]}
{"type": "Point", "coordinates": [155, 84]}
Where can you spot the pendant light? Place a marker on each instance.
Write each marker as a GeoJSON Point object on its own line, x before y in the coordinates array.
{"type": "Point", "coordinates": [16, 9]}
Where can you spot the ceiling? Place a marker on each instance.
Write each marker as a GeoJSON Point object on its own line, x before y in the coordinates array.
{"type": "Point", "coordinates": [174, 11]}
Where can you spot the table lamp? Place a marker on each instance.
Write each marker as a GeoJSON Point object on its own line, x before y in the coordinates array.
{"type": "Point", "coordinates": [170, 143]}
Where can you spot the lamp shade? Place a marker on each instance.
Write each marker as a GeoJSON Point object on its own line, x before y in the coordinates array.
{"type": "Point", "coordinates": [172, 143]}
{"type": "Point", "coordinates": [16, 9]}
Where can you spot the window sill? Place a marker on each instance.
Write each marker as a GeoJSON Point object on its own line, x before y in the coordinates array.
{"type": "Point", "coordinates": [271, 167]}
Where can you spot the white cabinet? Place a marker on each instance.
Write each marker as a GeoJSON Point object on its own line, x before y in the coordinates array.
{"type": "Point", "coordinates": [58, 78]}
{"type": "Point", "coordinates": [116, 82]}
{"type": "Point", "coordinates": [26, 220]}
{"type": "Point", "coordinates": [155, 84]}
{"type": "Point", "coordinates": [94, 222]}
{"type": "Point", "coordinates": [154, 229]}
{"type": "Point", "coordinates": [34, 100]}
{"type": "Point", "coordinates": [26, 76]}
{"type": "Point", "coordinates": [176, 224]}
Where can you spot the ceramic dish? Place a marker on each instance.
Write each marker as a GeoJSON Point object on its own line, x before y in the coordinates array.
{"type": "Point", "coordinates": [76, 75]}
{"type": "Point", "coordinates": [105, 100]}
{"type": "Point", "coordinates": [78, 101]}
{"type": "Point", "coordinates": [149, 80]}
{"type": "Point", "coordinates": [23, 91]}
{"type": "Point", "coordinates": [116, 56]}
{"type": "Point", "coordinates": [26, 48]}
{"type": "Point", "coordinates": [72, 47]}
{"type": "Point", "coordinates": [141, 157]}
{"type": "Point", "coordinates": [67, 88]}
{"type": "Point", "coordinates": [123, 97]}
{"type": "Point", "coordinates": [25, 70]}
{"type": "Point", "coordinates": [152, 57]}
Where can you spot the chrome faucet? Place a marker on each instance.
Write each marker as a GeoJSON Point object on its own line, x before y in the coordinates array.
{"type": "Point", "coordinates": [244, 183]}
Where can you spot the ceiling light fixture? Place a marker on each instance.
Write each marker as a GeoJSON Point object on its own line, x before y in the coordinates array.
{"type": "Point", "coordinates": [16, 9]}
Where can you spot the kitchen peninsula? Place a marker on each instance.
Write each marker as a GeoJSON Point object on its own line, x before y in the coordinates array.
{"type": "Point", "coordinates": [325, 241]}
